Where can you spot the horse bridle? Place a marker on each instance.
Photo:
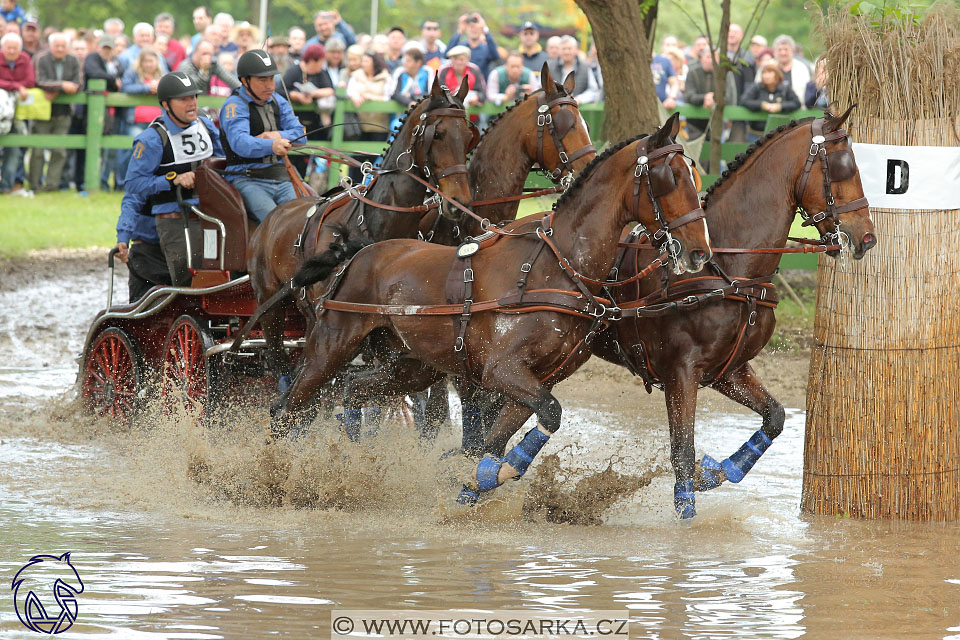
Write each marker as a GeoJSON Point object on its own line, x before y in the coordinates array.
{"type": "Point", "coordinates": [836, 167]}
{"type": "Point", "coordinates": [559, 125]}
{"type": "Point", "coordinates": [660, 181]}
{"type": "Point", "coordinates": [421, 140]}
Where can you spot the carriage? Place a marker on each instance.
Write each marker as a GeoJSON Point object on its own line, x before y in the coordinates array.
{"type": "Point", "coordinates": [176, 340]}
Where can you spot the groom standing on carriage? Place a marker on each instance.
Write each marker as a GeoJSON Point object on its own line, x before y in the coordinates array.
{"type": "Point", "coordinates": [257, 127]}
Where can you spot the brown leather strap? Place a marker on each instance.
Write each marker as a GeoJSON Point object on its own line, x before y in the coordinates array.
{"type": "Point", "coordinates": [693, 216]}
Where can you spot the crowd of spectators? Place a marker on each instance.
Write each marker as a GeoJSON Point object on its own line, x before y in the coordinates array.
{"type": "Point", "coordinates": [330, 56]}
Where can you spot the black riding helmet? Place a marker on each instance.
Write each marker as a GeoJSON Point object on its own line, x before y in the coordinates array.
{"type": "Point", "coordinates": [256, 63]}
{"type": "Point", "coordinates": [176, 84]}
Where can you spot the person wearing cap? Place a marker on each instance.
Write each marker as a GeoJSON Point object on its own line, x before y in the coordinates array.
{"type": "Point", "coordinates": [434, 49]}
{"type": "Point", "coordinates": [279, 49]}
{"type": "Point", "coordinates": [393, 56]}
{"type": "Point", "coordinates": [257, 129]}
{"type": "Point", "coordinates": [164, 159]}
{"type": "Point", "coordinates": [533, 54]}
{"type": "Point", "coordinates": [32, 42]}
{"type": "Point", "coordinates": [461, 67]}
{"type": "Point", "coordinates": [757, 44]}
{"type": "Point", "coordinates": [201, 66]}
{"type": "Point", "coordinates": [245, 36]}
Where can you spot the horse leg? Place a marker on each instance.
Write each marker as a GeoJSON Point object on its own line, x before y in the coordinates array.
{"type": "Point", "coordinates": [400, 375]}
{"type": "Point", "coordinates": [329, 347]}
{"type": "Point", "coordinates": [437, 409]}
{"type": "Point", "coordinates": [743, 386]}
{"type": "Point", "coordinates": [530, 395]}
{"type": "Point", "coordinates": [277, 364]}
{"type": "Point", "coordinates": [680, 393]}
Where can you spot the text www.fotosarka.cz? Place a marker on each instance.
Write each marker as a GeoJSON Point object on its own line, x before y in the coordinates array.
{"type": "Point", "coordinates": [422, 625]}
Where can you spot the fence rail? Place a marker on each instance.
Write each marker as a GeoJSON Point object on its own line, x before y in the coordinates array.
{"type": "Point", "coordinates": [97, 101]}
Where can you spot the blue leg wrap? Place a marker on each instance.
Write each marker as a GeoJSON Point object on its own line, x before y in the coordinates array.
{"type": "Point", "coordinates": [710, 471]}
{"type": "Point", "coordinates": [683, 500]}
{"type": "Point", "coordinates": [739, 464]}
{"type": "Point", "coordinates": [468, 496]}
{"type": "Point", "coordinates": [523, 454]}
{"type": "Point", "coordinates": [351, 420]}
{"type": "Point", "coordinates": [373, 414]}
{"type": "Point", "coordinates": [487, 472]}
{"type": "Point", "coordinates": [284, 383]}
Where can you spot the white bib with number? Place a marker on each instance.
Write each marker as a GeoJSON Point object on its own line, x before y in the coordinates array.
{"type": "Point", "coordinates": [193, 144]}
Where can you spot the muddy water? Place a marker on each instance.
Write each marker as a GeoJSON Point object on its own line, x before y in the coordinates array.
{"type": "Point", "coordinates": [184, 532]}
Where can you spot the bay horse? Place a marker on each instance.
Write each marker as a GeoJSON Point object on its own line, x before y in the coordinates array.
{"type": "Point", "coordinates": [542, 129]}
{"type": "Point", "coordinates": [703, 331]}
{"type": "Point", "coordinates": [432, 144]}
{"type": "Point", "coordinates": [396, 289]}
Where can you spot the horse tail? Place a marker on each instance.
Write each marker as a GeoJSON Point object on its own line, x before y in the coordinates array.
{"type": "Point", "coordinates": [319, 267]}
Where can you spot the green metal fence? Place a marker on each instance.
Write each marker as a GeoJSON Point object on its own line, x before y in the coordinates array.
{"type": "Point", "coordinates": [97, 101]}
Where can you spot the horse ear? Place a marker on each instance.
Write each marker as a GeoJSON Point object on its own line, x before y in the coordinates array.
{"type": "Point", "coordinates": [546, 80]}
{"type": "Point", "coordinates": [669, 130]}
{"type": "Point", "coordinates": [464, 88]}
{"type": "Point", "coordinates": [65, 557]}
{"type": "Point", "coordinates": [569, 83]}
{"type": "Point", "coordinates": [436, 91]}
{"type": "Point", "coordinates": [832, 123]}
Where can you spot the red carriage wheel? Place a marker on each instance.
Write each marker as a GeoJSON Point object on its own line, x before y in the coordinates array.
{"type": "Point", "coordinates": [187, 376]}
{"type": "Point", "coordinates": [112, 376]}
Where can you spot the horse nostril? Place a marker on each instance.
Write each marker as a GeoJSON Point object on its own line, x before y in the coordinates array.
{"type": "Point", "coordinates": [698, 256]}
{"type": "Point", "coordinates": [869, 240]}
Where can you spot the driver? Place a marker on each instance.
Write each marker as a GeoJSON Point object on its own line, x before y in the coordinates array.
{"type": "Point", "coordinates": [165, 157]}
{"type": "Point", "coordinates": [257, 129]}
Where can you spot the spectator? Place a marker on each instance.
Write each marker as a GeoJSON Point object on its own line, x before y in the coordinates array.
{"type": "Point", "coordinates": [765, 56]}
{"type": "Point", "coordinates": [816, 94]}
{"type": "Point", "coordinates": [669, 43]}
{"type": "Point", "coordinates": [770, 95]}
{"type": "Point", "coordinates": [16, 76]}
{"type": "Point", "coordinates": [56, 72]}
{"type": "Point", "coordinates": [370, 82]}
{"type": "Point", "coordinates": [511, 80]}
{"type": "Point", "coordinates": [30, 32]}
{"type": "Point", "coordinates": [12, 12]}
{"type": "Point", "coordinates": [459, 68]}
{"type": "Point", "coordinates": [757, 44]}
{"type": "Point", "coordinates": [224, 22]}
{"type": "Point", "coordinates": [113, 27]}
{"type": "Point", "coordinates": [304, 84]}
{"type": "Point", "coordinates": [585, 89]}
{"type": "Point", "coordinates": [474, 34]}
{"type": "Point", "coordinates": [201, 67]}
{"type": "Point", "coordinates": [298, 39]}
{"type": "Point", "coordinates": [411, 81]}
{"type": "Point", "coordinates": [102, 65]}
{"type": "Point", "coordinates": [699, 91]}
{"type": "Point", "coordinates": [336, 66]}
{"type": "Point", "coordinates": [695, 50]}
{"type": "Point", "coordinates": [379, 44]}
{"type": "Point", "coordinates": [665, 81]}
{"type": "Point", "coordinates": [227, 65]}
{"type": "Point", "coordinates": [279, 49]}
{"type": "Point", "coordinates": [680, 68]}
{"type": "Point", "coordinates": [201, 20]}
{"type": "Point", "coordinates": [593, 61]}
{"type": "Point", "coordinates": [214, 35]}
{"type": "Point", "coordinates": [142, 77]}
{"type": "Point", "coordinates": [533, 54]}
{"type": "Point", "coordinates": [743, 69]}
{"type": "Point", "coordinates": [794, 73]}
{"type": "Point", "coordinates": [11, 27]}
{"type": "Point", "coordinates": [434, 48]}
{"type": "Point", "coordinates": [396, 38]}
{"type": "Point", "coordinates": [143, 36]}
{"type": "Point", "coordinates": [76, 158]}
{"type": "Point", "coordinates": [354, 60]}
{"type": "Point", "coordinates": [164, 25]}
{"type": "Point", "coordinates": [3, 24]}
{"type": "Point", "coordinates": [553, 48]}
{"type": "Point", "coordinates": [120, 44]}
{"type": "Point", "coordinates": [326, 23]}
{"type": "Point", "coordinates": [246, 37]}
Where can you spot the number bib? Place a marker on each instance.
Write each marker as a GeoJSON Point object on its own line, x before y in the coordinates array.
{"type": "Point", "coordinates": [193, 144]}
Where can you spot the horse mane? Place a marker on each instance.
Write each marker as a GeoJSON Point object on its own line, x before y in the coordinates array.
{"type": "Point", "coordinates": [318, 267]}
{"type": "Point", "coordinates": [741, 158]}
{"type": "Point", "coordinates": [516, 103]}
{"type": "Point", "coordinates": [587, 170]}
{"type": "Point", "coordinates": [447, 101]}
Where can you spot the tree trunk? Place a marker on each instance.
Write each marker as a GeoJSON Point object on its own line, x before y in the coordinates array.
{"type": "Point", "coordinates": [720, 87]}
{"type": "Point", "coordinates": [630, 103]}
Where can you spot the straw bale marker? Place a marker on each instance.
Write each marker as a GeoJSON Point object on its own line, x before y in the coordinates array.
{"type": "Point", "coordinates": [883, 400]}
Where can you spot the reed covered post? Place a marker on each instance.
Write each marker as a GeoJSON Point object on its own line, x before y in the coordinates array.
{"type": "Point", "coordinates": [883, 399]}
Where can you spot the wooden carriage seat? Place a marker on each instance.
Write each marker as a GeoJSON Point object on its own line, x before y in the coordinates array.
{"type": "Point", "coordinates": [220, 200]}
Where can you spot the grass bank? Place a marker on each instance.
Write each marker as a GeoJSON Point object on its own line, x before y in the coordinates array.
{"type": "Point", "coordinates": [63, 220]}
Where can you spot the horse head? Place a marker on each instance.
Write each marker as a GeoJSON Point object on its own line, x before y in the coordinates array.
{"type": "Point", "coordinates": [830, 185]}
{"type": "Point", "coordinates": [664, 199]}
{"type": "Point", "coordinates": [35, 582]}
{"type": "Point", "coordinates": [439, 138]}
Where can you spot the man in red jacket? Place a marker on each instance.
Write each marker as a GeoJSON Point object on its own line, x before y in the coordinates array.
{"type": "Point", "coordinates": [16, 76]}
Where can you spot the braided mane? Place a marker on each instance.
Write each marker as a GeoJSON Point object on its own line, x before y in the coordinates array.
{"type": "Point", "coordinates": [587, 170]}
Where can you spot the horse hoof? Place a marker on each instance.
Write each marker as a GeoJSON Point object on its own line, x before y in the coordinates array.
{"type": "Point", "coordinates": [708, 475]}
{"type": "Point", "coordinates": [487, 471]}
{"type": "Point", "coordinates": [284, 384]}
{"type": "Point", "coordinates": [683, 500]}
{"type": "Point", "coordinates": [468, 497]}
